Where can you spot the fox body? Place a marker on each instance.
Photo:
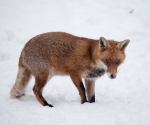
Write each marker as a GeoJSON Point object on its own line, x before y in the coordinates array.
{"type": "Point", "coordinates": [59, 53]}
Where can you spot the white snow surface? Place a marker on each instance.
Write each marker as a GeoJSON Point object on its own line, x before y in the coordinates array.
{"type": "Point", "coordinates": [123, 101]}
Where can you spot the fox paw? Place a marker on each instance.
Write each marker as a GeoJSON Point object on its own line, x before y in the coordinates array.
{"type": "Point", "coordinates": [83, 101]}
{"type": "Point", "coordinates": [92, 100]}
{"type": "Point", "coordinates": [46, 104]}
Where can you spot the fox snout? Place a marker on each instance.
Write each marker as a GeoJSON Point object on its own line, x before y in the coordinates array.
{"type": "Point", "coordinates": [112, 75]}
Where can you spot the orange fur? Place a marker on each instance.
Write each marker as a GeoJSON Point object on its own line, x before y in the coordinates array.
{"type": "Point", "coordinates": [59, 53]}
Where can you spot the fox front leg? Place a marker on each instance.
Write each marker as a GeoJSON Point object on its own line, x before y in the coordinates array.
{"type": "Point", "coordinates": [79, 84]}
{"type": "Point", "coordinates": [90, 90]}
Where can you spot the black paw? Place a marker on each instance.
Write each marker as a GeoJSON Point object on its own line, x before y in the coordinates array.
{"type": "Point", "coordinates": [46, 104]}
{"type": "Point", "coordinates": [49, 105]}
{"type": "Point", "coordinates": [83, 101]}
{"type": "Point", "coordinates": [92, 100]}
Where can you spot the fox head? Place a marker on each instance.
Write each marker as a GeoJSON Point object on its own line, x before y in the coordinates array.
{"type": "Point", "coordinates": [112, 54]}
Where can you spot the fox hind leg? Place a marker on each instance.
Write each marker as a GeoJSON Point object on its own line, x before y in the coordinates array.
{"type": "Point", "coordinates": [38, 89]}
{"type": "Point", "coordinates": [21, 82]}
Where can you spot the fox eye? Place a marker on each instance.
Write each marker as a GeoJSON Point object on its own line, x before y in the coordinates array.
{"type": "Point", "coordinates": [107, 62]}
{"type": "Point", "coordinates": [117, 62]}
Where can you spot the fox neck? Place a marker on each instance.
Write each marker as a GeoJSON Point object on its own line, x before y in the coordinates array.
{"type": "Point", "coordinates": [97, 68]}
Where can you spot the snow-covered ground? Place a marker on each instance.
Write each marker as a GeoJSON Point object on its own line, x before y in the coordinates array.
{"type": "Point", "coordinates": [123, 101]}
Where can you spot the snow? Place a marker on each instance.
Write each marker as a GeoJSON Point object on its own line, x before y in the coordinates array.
{"type": "Point", "coordinates": [123, 101]}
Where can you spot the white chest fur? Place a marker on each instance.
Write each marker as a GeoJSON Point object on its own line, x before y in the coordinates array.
{"type": "Point", "coordinates": [95, 71]}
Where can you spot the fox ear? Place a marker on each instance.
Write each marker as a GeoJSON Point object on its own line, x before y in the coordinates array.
{"type": "Point", "coordinates": [123, 44]}
{"type": "Point", "coordinates": [103, 42]}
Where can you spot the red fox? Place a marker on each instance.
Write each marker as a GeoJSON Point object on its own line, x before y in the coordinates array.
{"type": "Point", "coordinates": [60, 53]}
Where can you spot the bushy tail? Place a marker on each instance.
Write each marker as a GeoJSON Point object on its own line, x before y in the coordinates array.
{"type": "Point", "coordinates": [21, 82]}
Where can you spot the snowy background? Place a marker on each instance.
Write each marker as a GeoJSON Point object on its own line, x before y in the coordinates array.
{"type": "Point", "coordinates": [123, 101]}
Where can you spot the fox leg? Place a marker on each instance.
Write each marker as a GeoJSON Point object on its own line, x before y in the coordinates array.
{"type": "Point", "coordinates": [90, 90]}
{"type": "Point", "coordinates": [38, 89]}
{"type": "Point", "coordinates": [21, 82]}
{"type": "Point", "coordinates": [79, 84]}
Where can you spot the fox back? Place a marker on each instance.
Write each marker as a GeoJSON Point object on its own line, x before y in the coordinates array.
{"type": "Point", "coordinates": [59, 53]}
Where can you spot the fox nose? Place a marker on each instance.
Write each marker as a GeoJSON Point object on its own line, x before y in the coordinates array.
{"type": "Point", "coordinates": [112, 76]}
